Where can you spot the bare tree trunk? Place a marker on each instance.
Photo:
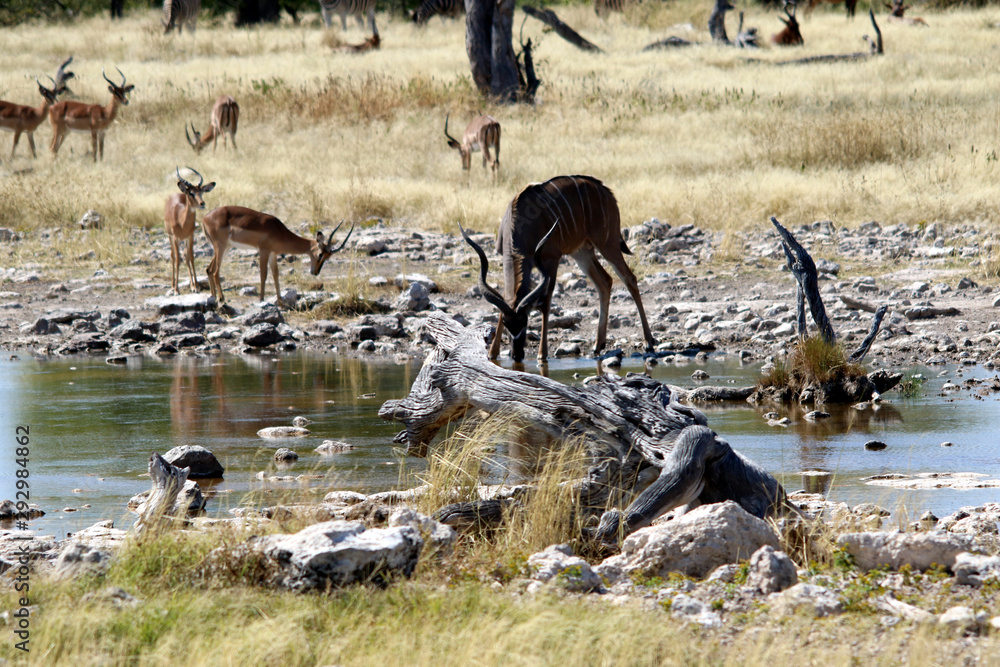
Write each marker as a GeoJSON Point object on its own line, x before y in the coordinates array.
{"type": "Point", "coordinates": [168, 480]}
{"type": "Point", "coordinates": [479, 42]}
{"type": "Point", "coordinates": [504, 86]}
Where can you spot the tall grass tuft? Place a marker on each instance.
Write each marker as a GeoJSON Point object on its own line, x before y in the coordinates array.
{"type": "Point", "coordinates": [813, 362]}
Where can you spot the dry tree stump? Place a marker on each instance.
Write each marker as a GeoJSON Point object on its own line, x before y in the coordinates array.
{"type": "Point", "coordinates": [633, 428]}
{"type": "Point", "coordinates": [168, 481]}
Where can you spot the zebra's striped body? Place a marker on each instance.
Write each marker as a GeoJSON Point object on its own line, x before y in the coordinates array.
{"type": "Point", "coordinates": [176, 13]}
{"type": "Point", "coordinates": [604, 7]}
{"type": "Point", "coordinates": [356, 8]}
{"type": "Point", "coordinates": [443, 8]}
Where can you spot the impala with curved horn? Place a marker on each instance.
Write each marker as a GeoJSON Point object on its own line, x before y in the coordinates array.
{"type": "Point", "coordinates": [790, 35]}
{"type": "Point", "coordinates": [225, 118]}
{"type": "Point", "coordinates": [239, 226]}
{"type": "Point", "coordinates": [179, 218]}
{"type": "Point", "coordinates": [78, 117]}
{"type": "Point", "coordinates": [23, 119]}
{"type": "Point", "coordinates": [567, 215]}
{"type": "Point", "coordinates": [482, 134]}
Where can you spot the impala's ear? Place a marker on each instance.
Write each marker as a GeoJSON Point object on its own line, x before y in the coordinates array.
{"type": "Point", "coordinates": [111, 89]}
{"type": "Point", "coordinates": [129, 88]}
{"type": "Point", "coordinates": [209, 187]}
{"type": "Point", "coordinates": [319, 238]}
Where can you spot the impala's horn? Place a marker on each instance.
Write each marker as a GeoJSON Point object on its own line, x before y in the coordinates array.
{"type": "Point", "coordinates": [451, 139]}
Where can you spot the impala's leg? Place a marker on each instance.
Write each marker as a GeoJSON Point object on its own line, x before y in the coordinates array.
{"type": "Point", "coordinates": [57, 140]}
{"type": "Point", "coordinates": [274, 275]}
{"type": "Point", "coordinates": [496, 157]}
{"type": "Point", "coordinates": [189, 259]}
{"type": "Point", "coordinates": [175, 261]}
{"type": "Point", "coordinates": [93, 143]}
{"type": "Point", "coordinates": [214, 267]}
{"type": "Point", "coordinates": [618, 263]}
{"type": "Point", "coordinates": [31, 143]}
{"type": "Point", "coordinates": [232, 136]}
{"type": "Point", "coordinates": [17, 137]}
{"type": "Point", "coordinates": [497, 335]}
{"type": "Point", "coordinates": [588, 263]}
{"type": "Point", "coordinates": [263, 260]}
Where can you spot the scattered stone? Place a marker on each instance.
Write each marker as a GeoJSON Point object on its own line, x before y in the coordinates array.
{"type": "Point", "coordinates": [687, 608]}
{"type": "Point", "coordinates": [261, 335]}
{"type": "Point", "coordinates": [771, 571]}
{"type": "Point", "coordinates": [402, 281]}
{"type": "Point", "coordinates": [78, 559]}
{"type": "Point", "coordinates": [329, 447]}
{"type": "Point", "coordinates": [262, 313]}
{"type": "Point", "coordinates": [438, 538]}
{"type": "Point", "coordinates": [694, 544]}
{"type": "Point", "coordinates": [558, 565]}
{"type": "Point", "coordinates": [283, 432]}
{"type": "Point", "coordinates": [339, 553]}
{"type": "Point", "coordinates": [963, 620]}
{"type": "Point", "coordinates": [975, 570]}
{"type": "Point", "coordinates": [921, 551]}
{"type": "Point", "coordinates": [816, 600]}
{"type": "Point", "coordinates": [91, 220]}
{"type": "Point", "coordinates": [875, 445]}
{"type": "Point", "coordinates": [414, 298]}
{"type": "Point", "coordinates": [171, 305]}
{"type": "Point", "coordinates": [816, 415]}
{"type": "Point", "coordinates": [202, 463]}
{"type": "Point", "coordinates": [285, 455]}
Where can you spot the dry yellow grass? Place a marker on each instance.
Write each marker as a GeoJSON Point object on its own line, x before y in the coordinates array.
{"type": "Point", "coordinates": [694, 135]}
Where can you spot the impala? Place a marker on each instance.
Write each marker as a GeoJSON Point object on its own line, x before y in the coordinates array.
{"type": "Point", "coordinates": [179, 218]}
{"type": "Point", "coordinates": [78, 117]}
{"type": "Point", "coordinates": [567, 215]}
{"type": "Point", "coordinates": [790, 36]}
{"type": "Point", "coordinates": [481, 134]}
{"type": "Point", "coordinates": [225, 118]}
{"type": "Point", "coordinates": [239, 226]}
{"type": "Point", "coordinates": [897, 14]}
{"type": "Point", "coordinates": [373, 43]}
{"type": "Point", "coordinates": [19, 118]}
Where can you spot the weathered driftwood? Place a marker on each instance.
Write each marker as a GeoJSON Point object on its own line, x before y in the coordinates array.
{"type": "Point", "coordinates": [866, 344]}
{"type": "Point", "coordinates": [629, 426]}
{"type": "Point", "coordinates": [711, 394]}
{"type": "Point", "coordinates": [668, 43]}
{"type": "Point", "coordinates": [929, 312]}
{"type": "Point", "coordinates": [168, 480]}
{"type": "Point", "coordinates": [800, 296]}
{"type": "Point", "coordinates": [549, 18]}
{"type": "Point", "coordinates": [858, 304]}
{"type": "Point", "coordinates": [876, 48]}
{"type": "Point", "coordinates": [804, 270]}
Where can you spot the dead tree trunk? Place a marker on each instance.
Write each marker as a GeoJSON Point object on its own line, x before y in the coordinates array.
{"type": "Point", "coordinates": [629, 426]}
{"type": "Point", "coordinates": [804, 270]}
{"type": "Point", "coordinates": [549, 18]}
{"type": "Point", "coordinates": [489, 38]}
{"type": "Point", "coordinates": [168, 480]}
{"type": "Point", "coordinates": [717, 22]}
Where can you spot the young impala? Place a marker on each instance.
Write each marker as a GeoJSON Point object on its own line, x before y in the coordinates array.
{"type": "Point", "coordinates": [225, 118]}
{"type": "Point", "coordinates": [78, 117]}
{"type": "Point", "coordinates": [790, 34]}
{"type": "Point", "coordinates": [567, 215]}
{"type": "Point", "coordinates": [179, 218]}
{"type": "Point", "coordinates": [482, 134]}
{"type": "Point", "coordinates": [22, 119]}
{"type": "Point", "coordinates": [239, 226]}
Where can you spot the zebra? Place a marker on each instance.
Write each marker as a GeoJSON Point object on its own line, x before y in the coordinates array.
{"type": "Point", "coordinates": [604, 7]}
{"type": "Point", "coordinates": [443, 8]}
{"type": "Point", "coordinates": [178, 12]}
{"type": "Point", "coordinates": [356, 8]}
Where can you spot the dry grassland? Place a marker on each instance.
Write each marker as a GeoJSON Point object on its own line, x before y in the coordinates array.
{"type": "Point", "coordinates": [695, 135]}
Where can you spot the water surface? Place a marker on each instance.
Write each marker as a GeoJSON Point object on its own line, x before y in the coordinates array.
{"type": "Point", "coordinates": [93, 426]}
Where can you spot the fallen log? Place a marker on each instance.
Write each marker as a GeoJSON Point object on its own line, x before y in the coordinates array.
{"type": "Point", "coordinates": [858, 304]}
{"type": "Point", "coordinates": [549, 18]}
{"type": "Point", "coordinates": [929, 312]}
{"type": "Point", "coordinates": [629, 426]}
{"type": "Point", "coordinates": [168, 480]}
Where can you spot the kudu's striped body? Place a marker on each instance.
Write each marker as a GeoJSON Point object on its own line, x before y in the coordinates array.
{"type": "Point", "coordinates": [567, 215]}
{"type": "Point", "coordinates": [179, 217]}
{"type": "Point", "coordinates": [225, 119]}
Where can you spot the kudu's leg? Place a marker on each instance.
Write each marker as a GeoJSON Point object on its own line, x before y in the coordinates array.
{"type": "Point", "coordinates": [548, 270]}
{"type": "Point", "coordinates": [617, 261]}
{"type": "Point", "coordinates": [587, 261]}
{"type": "Point", "coordinates": [497, 336]}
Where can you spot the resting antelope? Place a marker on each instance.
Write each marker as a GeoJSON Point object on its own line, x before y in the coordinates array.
{"type": "Point", "coordinates": [78, 117]}
{"type": "Point", "coordinates": [897, 14]}
{"type": "Point", "coordinates": [481, 134]}
{"type": "Point", "coordinates": [373, 43]}
{"type": "Point", "coordinates": [239, 226]}
{"type": "Point", "coordinates": [225, 118]}
{"type": "Point", "coordinates": [849, 5]}
{"type": "Point", "coordinates": [20, 118]}
{"type": "Point", "coordinates": [179, 218]}
{"type": "Point", "coordinates": [790, 36]}
{"type": "Point", "coordinates": [567, 215]}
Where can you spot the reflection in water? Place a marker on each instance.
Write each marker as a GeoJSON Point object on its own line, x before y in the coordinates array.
{"type": "Point", "coordinates": [96, 425]}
